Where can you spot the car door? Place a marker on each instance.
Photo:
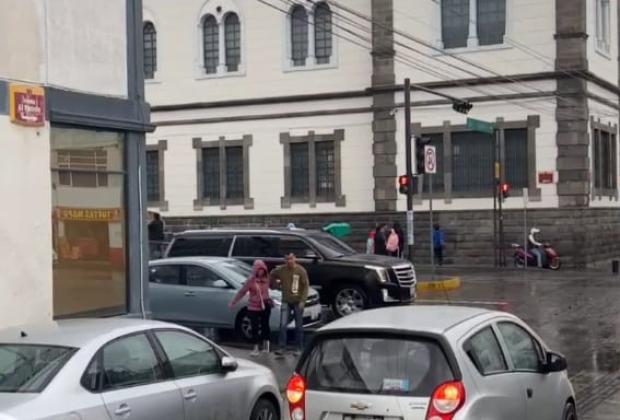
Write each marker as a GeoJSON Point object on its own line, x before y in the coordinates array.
{"type": "Point", "coordinates": [248, 248]}
{"type": "Point", "coordinates": [207, 296]}
{"type": "Point", "coordinates": [527, 357]}
{"type": "Point", "coordinates": [207, 393]}
{"type": "Point", "coordinates": [133, 382]}
{"type": "Point", "coordinates": [499, 396]}
{"type": "Point", "coordinates": [167, 293]}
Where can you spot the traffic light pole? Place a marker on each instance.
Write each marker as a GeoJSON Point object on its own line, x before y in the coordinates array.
{"type": "Point", "coordinates": [409, 164]}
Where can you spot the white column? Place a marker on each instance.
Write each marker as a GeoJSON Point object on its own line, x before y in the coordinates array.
{"type": "Point", "coordinates": [472, 40]}
{"type": "Point", "coordinates": [221, 68]}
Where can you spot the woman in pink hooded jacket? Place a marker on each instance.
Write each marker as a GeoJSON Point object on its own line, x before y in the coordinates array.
{"type": "Point", "coordinates": [259, 305]}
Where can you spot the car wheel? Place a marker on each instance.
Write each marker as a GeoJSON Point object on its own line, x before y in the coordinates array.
{"type": "Point", "coordinates": [349, 300]}
{"type": "Point", "coordinates": [570, 412]}
{"type": "Point", "coordinates": [264, 410]}
{"type": "Point", "coordinates": [243, 326]}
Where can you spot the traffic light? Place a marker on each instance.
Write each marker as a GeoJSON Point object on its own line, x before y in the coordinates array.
{"type": "Point", "coordinates": [505, 190]}
{"type": "Point", "coordinates": [462, 107]}
{"type": "Point", "coordinates": [420, 142]}
{"type": "Point", "coordinates": [404, 183]}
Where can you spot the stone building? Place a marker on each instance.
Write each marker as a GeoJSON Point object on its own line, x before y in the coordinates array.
{"type": "Point", "coordinates": [274, 111]}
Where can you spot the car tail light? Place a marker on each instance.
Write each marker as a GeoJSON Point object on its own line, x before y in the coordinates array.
{"type": "Point", "coordinates": [296, 396]}
{"type": "Point", "coordinates": [447, 399]}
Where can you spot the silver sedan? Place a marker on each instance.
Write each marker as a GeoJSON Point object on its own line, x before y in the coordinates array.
{"type": "Point", "coordinates": [107, 369]}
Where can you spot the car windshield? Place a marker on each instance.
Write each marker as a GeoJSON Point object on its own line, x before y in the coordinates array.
{"type": "Point", "coordinates": [234, 270]}
{"type": "Point", "coordinates": [377, 365]}
{"type": "Point", "coordinates": [29, 368]}
{"type": "Point", "coordinates": [331, 246]}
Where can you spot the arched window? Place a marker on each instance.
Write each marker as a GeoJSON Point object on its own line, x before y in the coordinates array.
{"type": "Point", "coordinates": [299, 36]}
{"type": "Point", "coordinates": [232, 37]}
{"type": "Point", "coordinates": [322, 33]}
{"type": "Point", "coordinates": [211, 44]}
{"type": "Point", "coordinates": [150, 50]}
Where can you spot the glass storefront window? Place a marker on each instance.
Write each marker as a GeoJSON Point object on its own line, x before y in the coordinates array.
{"type": "Point", "coordinates": [88, 222]}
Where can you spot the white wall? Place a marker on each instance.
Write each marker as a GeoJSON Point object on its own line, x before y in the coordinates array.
{"type": "Point", "coordinates": [529, 22]}
{"type": "Point", "coordinates": [601, 63]}
{"type": "Point", "coordinates": [263, 36]}
{"type": "Point", "coordinates": [25, 230]}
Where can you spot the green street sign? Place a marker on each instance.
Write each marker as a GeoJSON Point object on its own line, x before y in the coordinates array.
{"type": "Point", "coordinates": [480, 126]}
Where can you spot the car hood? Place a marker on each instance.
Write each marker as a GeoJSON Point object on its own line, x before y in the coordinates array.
{"type": "Point", "coordinates": [370, 259]}
{"type": "Point", "coordinates": [10, 401]}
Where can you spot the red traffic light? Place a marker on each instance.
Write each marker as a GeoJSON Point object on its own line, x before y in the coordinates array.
{"type": "Point", "coordinates": [402, 180]}
{"type": "Point", "coordinates": [505, 189]}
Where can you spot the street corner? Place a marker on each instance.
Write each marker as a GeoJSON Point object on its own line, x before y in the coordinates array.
{"type": "Point", "coordinates": [441, 285]}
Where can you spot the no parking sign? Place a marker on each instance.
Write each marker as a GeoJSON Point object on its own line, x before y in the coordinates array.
{"type": "Point", "coordinates": [430, 160]}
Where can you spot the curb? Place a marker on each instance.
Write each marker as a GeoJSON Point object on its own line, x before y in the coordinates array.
{"type": "Point", "coordinates": [450, 283]}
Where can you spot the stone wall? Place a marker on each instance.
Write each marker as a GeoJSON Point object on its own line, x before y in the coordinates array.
{"type": "Point", "coordinates": [583, 237]}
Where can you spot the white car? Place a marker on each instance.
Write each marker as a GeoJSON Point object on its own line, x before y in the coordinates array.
{"type": "Point", "coordinates": [107, 369]}
{"type": "Point", "coordinates": [430, 363]}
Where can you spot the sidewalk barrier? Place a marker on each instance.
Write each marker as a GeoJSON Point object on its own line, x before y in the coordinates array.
{"type": "Point", "coordinates": [446, 284]}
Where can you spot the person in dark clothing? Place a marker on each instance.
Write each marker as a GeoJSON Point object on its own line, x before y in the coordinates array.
{"type": "Point", "coordinates": [401, 239]}
{"type": "Point", "coordinates": [381, 240]}
{"type": "Point", "coordinates": [156, 228]}
{"type": "Point", "coordinates": [439, 239]}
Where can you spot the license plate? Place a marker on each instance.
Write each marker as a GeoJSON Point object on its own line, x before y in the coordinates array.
{"type": "Point", "coordinates": [356, 417]}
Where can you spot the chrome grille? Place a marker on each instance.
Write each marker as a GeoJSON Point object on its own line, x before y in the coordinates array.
{"type": "Point", "coordinates": [405, 274]}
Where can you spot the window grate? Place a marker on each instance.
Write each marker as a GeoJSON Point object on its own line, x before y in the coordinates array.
{"type": "Point", "coordinates": [211, 173]}
{"type": "Point", "coordinates": [300, 187]}
{"type": "Point", "coordinates": [232, 37]}
{"type": "Point", "coordinates": [150, 50]}
{"type": "Point", "coordinates": [152, 176]}
{"type": "Point", "coordinates": [323, 33]}
{"type": "Point", "coordinates": [299, 36]}
{"type": "Point", "coordinates": [516, 168]}
{"type": "Point", "coordinates": [455, 23]}
{"type": "Point", "coordinates": [472, 162]}
{"type": "Point", "coordinates": [211, 44]}
{"type": "Point", "coordinates": [325, 170]}
{"type": "Point", "coordinates": [234, 173]}
{"type": "Point", "coordinates": [491, 21]}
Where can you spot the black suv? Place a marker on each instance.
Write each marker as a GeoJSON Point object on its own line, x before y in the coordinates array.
{"type": "Point", "coordinates": [346, 280]}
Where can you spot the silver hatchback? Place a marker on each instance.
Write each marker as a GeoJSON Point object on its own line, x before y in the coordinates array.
{"type": "Point", "coordinates": [109, 369]}
{"type": "Point", "coordinates": [430, 363]}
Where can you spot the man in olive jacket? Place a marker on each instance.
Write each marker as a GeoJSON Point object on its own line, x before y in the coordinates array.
{"type": "Point", "coordinates": [292, 280]}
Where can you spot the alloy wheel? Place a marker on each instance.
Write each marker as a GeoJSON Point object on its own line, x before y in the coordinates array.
{"type": "Point", "coordinates": [349, 301]}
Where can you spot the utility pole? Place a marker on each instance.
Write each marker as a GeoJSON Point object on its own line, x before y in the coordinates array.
{"type": "Point", "coordinates": [409, 164]}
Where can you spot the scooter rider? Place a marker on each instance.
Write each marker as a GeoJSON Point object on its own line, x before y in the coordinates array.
{"type": "Point", "coordinates": [536, 247]}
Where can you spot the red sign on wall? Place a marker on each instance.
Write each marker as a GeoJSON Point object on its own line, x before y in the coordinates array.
{"type": "Point", "coordinates": [545, 177]}
{"type": "Point", "coordinates": [27, 105]}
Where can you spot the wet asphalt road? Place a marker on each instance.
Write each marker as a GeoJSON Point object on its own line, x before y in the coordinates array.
{"type": "Point", "coordinates": [576, 313]}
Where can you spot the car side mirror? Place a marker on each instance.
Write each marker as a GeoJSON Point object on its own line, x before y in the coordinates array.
{"type": "Point", "coordinates": [555, 363]}
{"type": "Point", "coordinates": [220, 284]}
{"type": "Point", "coordinates": [229, 364]}
{"type": "Point", "coordinates": [311, 255]}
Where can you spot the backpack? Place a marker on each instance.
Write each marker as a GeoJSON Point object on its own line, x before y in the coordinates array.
{"type": "Point", "coordinates": [392, 242]}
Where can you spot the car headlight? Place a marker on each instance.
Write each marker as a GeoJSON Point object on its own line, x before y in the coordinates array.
{"type": "Point", "coordinates": [382, 273]}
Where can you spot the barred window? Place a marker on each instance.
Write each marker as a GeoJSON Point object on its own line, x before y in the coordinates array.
{"type": "Point", "coordinates": [491, 21]}
{"type": "Point", "coordinates": [300, 174]}
{"type": "Point", "coordinates": [211, 173]}
{"type": "Point", "coordinates": [211, 44]}
{"type": "Point", "coordinates": [234, 172]}
{"type": "Point", "coordinates": [299, 36]}
{"type": "Point", "coordinates": [152, 176]}
{"type": "Point", "coordinates": [322, 33]}
{"type": "Point", "coordinates": [232, 37]}
{"type": "Point", "coordinates": [605, 160]}
{"type": "Point", "coordinates": [472, 162]}
{"type": "Point", "coordinates": [437, 178]}
{"type": "Point", "coordinates": [82, 168]}
{"type": "Point", "coordinates": [325, 170]}
{"type": "Point", "coordinates": [455, 23]}
{"type": "Point", "coordinates": [150, 50]}
{"type": "Point", "coordinates": [515, 141]}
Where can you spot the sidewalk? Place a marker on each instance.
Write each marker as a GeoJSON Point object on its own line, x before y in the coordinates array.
{"type": "Point", "coordinates": [607, 410]}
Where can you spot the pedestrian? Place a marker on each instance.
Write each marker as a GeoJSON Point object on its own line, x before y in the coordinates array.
{"type": "Point", "coordinates": [370, 242]}
{"type": "Point", "coordinates": [392, 244]}
{"type": "Point", "coordinates": [381, 240]}
{"type": "Point", "coordinates": [156, 228]}
{"type": "Point", "coordinates": [401, 239]}
{"type": "Point", "coordinates": [259, 305]}
{"type": "Point", "coordinates": [292, 279]}
{"type": "Point", "coordinates": [439, 239]}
